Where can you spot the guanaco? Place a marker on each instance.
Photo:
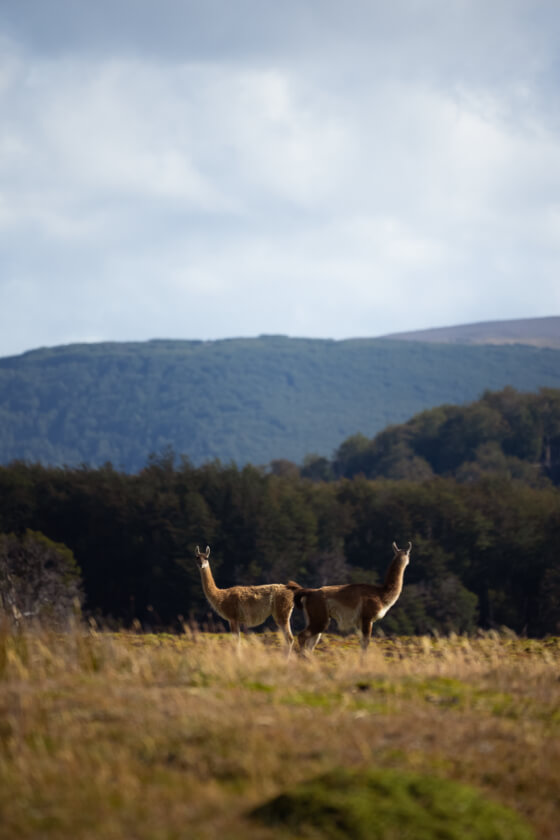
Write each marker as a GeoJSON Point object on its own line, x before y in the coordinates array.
{"type": "Point", "coordinates": [248, 605]}
{"type": "Point", "coordinates": [353, 606]}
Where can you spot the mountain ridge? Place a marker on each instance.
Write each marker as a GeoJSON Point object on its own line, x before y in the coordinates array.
{"type": "Point", "coordinates": [536, 332]}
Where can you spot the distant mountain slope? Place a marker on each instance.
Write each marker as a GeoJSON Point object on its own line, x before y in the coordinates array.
{"type": "Point", "coordinates": [538, 332]}
{"type": "Point", "coordinates": [246, 400]}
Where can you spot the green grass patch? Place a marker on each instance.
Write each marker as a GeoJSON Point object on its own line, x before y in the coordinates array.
{"type": "Point", "coordinates": [315, 699]}
{"type": "Point", "coordinates": [389, 805]}
{"type": "Point", "coordinates": [448, 692]}
{"type": "Point", "coordinates": [256, 685]}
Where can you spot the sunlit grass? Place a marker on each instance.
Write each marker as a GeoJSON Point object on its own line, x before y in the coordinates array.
{"type": "Point", "coordinates": [158, 736]}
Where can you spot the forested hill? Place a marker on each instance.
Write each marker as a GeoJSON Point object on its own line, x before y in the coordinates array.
{"type": "Point", "coordinates": [245, 400]}
{"type": "Point", "coordinates": [505, 434]}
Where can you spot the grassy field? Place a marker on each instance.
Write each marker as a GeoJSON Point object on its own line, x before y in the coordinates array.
{"type": "Point", "coordinates": [143, 736]}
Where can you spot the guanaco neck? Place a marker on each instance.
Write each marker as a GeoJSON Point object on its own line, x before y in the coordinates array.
{"type": "Point", "coordinates": [208, 583]}
{"type": "Point", "coordinates": [393, 583]}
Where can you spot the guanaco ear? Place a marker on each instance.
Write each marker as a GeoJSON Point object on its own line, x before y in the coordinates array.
{"type": "Point", "coordinates": [197, 552]}
{"type": "Point", "coordinates": [207, 553]}
{"type": "Point", "coordinates": [409, 547]}
{"type": "Point", "coordinates": [395, 548]}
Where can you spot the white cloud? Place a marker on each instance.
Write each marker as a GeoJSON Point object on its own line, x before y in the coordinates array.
{"type": "Point", "coordinates": [361, 172]}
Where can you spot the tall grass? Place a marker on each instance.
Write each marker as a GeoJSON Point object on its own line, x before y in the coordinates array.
{"type": "Point", "coordinates": [143, 736]}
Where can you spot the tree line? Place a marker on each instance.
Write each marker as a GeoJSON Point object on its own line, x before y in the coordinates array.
{"type": "Point", "coordinates": [485, 551]}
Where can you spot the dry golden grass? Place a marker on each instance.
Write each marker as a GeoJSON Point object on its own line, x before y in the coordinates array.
{"type": "Point", "coordinates": [131, 736]}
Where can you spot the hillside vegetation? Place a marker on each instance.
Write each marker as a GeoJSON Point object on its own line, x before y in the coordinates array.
{"type": "Point", "coordinates": [241, 400]}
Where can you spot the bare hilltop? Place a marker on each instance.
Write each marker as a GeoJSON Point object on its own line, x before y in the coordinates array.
{"type": "Point", "coordinates": [537, 332]}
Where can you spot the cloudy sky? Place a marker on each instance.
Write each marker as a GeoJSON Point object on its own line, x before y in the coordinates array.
{"type": "Point", "coordinates": [223, 168]}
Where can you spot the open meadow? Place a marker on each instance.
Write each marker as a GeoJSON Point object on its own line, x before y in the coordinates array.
{"type": "Point", "coordinates": [121, 735]}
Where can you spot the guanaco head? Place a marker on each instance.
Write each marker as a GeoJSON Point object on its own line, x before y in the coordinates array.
{"type": "Point", "coordinates": [403, 553]}
{"type": "Point", "coordinates": [202, 557]}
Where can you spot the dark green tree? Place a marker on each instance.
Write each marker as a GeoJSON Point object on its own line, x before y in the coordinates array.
{"type": "Point", "coordinates": [39, 579]}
